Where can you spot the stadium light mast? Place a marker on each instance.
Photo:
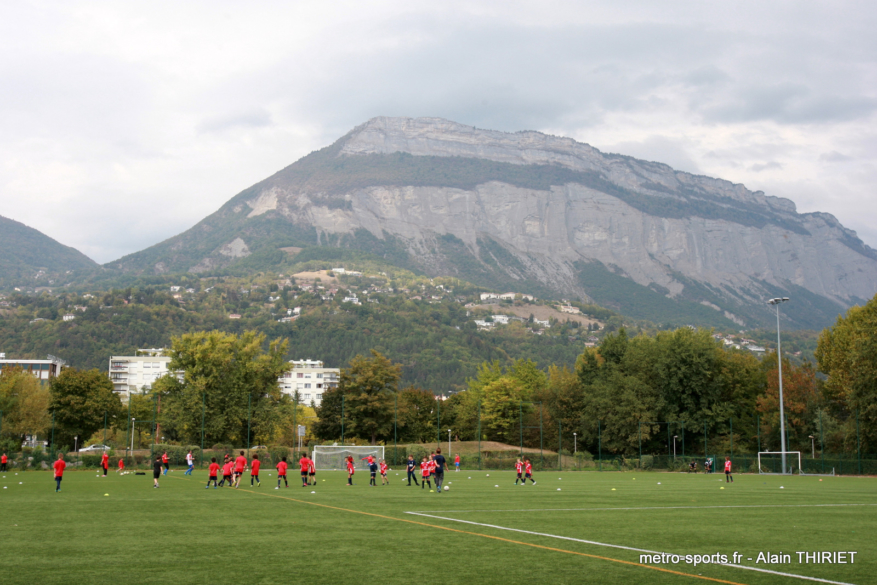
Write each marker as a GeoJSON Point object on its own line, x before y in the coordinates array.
{"type": "Point", "coordinates": [776, 303]}
{"type": "Point", "coordinates": [575, 449]}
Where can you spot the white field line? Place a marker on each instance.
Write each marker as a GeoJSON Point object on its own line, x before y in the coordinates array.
{"type": "Point", "coordinates": [640, 550]}
{"type": "Point", "coordinates": [648, 508]}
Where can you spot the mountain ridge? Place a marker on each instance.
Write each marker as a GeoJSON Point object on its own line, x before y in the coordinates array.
{"type": "Point", "coordinates": [527, 207]}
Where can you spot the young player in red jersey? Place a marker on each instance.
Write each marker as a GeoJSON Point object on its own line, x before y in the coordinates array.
{"type": "Point", "coordinates": [304, 465]}
{"type": "Point", "coordinates": [227, 470]}
{"type": "Point", "coordinates": [213, 470]}
{"type": "Point", "coordinates": [351, 469]}
{"type": "Point", "coordinates": [281, 473]}
{"type": "Point", "coordinates": [59, 466]}
{"type": "Point", "coordinates": [425, 472]}
{"type": "Point", "coordinates": [457, 462]}
{"type": "Point", "coordinates": [728, 476]}
{"type": "Point", "coordinates": [383, 467]}
{"type": "Point", "coordinates": [105, 462]}
{"type": "Point", "coordinates": [528, 472]}
{"type": "Point", "coordinates": [254, 471]}
{"type": "Point", "coordinates": [3, 461]}
{"type": "Point", "coordinates": [240, 464]}
{"type": "Point", "coordinates": [165, 462]}
{"type": "Point", "coordinates": [519, 468]}
{"type": "Point", "coordinates": [121, 465]}
{"type": "Point", "coordinates": [312, 472]}
{"type": "Point", "coordinates": [369, 460]}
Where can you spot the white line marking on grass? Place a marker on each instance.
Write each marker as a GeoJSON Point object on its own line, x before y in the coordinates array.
{"type": "Point", "coordinates": [649, 508]}
{"type": "Point", "coordinates": [641, 550]}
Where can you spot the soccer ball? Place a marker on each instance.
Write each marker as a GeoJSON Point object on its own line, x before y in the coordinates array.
{"type": "Point", "coordinates": [447, 488]}
{"type": "Point", "coordinates": [488, 475]}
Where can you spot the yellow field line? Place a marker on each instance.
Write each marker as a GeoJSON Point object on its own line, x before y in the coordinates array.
{"type": "Point", "coordinates": [530, 544]}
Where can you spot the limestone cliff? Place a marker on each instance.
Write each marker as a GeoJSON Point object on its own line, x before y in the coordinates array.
{"type": "Point", "coordinates": [545, 213]}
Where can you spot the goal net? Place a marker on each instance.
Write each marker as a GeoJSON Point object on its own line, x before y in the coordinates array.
{"type": "Point", "coordinates": [333, 456]}
{"type": "Point", "coordinates": [771, 462]}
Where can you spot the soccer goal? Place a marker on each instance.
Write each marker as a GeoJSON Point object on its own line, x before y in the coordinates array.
{"type": "Point", "coordinates": [333, 456]}
{"type": "Point", "coordinates": [771, 462]}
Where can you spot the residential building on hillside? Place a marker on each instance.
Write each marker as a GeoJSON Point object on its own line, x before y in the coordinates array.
{"type": "Point", "coordinates": [45, 369]}
{"type": "Point", "coordinates": [310, 378]}
{"type": "Point", "coordinates": [136, 373]}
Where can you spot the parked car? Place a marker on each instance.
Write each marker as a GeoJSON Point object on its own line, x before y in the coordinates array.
{"type": "Point", "coordinates": [95, 448]}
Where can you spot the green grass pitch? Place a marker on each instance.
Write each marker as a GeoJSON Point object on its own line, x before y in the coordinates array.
{"type": "Point", "coordinates": [182, 533]}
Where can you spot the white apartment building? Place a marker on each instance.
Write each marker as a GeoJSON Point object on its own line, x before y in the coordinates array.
{"type": "Point", "coordinates": [137, 373]}
{"type": "Point", "coordinates": [310, 378]}
{"type": "Point", "coordinates": [42, 369]}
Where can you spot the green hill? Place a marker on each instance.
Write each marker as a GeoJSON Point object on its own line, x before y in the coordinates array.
{"type": "Point", "coordinates": [31, 258]}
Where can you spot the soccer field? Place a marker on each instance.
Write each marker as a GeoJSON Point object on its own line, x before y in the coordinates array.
{"type": "Point", "coordinates": [568, 528]}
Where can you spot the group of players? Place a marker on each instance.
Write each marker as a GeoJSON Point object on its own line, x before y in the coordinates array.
{"type": "Point", "coordinates": [233, 471]}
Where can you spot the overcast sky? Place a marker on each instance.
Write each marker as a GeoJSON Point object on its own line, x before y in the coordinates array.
{"type": "Point", "coordinates": [122, 124]}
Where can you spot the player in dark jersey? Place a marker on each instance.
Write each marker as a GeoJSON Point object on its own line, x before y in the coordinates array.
{"type": "Point", "coordinates": [412, 470]}
{"type": "Point", "coordinates": [439, 463]}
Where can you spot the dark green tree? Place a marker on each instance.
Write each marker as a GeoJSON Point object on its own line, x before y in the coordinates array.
{"type": "Point", "coordinates": [79, 401]}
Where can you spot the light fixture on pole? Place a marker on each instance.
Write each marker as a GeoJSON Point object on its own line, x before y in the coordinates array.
{"type": "Point", "coordinates": [449, 442]}
{"type": "Point", "coordinates": [132, 432]}
{"type": "Point", "coordinates": [813, 446]}
{"type": "Point", "coordinates": [776, 303]}
{"type": "Point", "coordinates": [75, 443]}
{"type": "Point", "coordinates": [674, 446]}
{"type": "Point", "coordinates": [574, 446]}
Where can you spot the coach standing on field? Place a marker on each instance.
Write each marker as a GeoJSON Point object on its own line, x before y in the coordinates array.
{"type": "Point", "coordinates": [440, 465]}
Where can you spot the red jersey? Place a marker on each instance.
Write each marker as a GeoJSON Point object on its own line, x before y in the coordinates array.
{"type": "Point", "coordinates": [304, 463]}
{"type": "Point", "coordinates": [164, 457]}
{"type": "Point", "coordinates": [104, 461]}
{"type": "Point", "coordinates": [528, 468]}
{"type": "Point", "coordinates": [727, 466]}
{"type": "Point", "coordinates": [311, 466]}
{"type": "Point", "coordinates": [214, 469]}
{"type": "Point", "coordinates": [383, 469]}
{"type": "Point", "coordinates": [3, 459]}
{"type": "Point", "coordinates": [370, 459]}
{"type": "Point", "coordinates": [518, 467]}
{"type": "Point", "coordinates": [457, 459]}
{"type": "Point", "coordinates": [350, 467]}
{"type": "Point", "coordinates": [59, 468]}
{"type": "Point", "coordinates": [240, 463]}
{"type": "Point", "coordinates": [121, 464]}
{"type": "Point", "coordinates": [281, 468]}
{"type": "Point", "coordinates": [424, 468]}
{"type": "Point", "coordinates": [254, 467]}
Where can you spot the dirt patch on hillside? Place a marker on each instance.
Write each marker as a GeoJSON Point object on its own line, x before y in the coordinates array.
{"type": "Point", "coordinates": [541, 312]}
{"type": "Point", "coordinates": [311, 276]}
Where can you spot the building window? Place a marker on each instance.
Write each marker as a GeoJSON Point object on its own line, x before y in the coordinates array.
{"type": "Point", "coordinates": [319, 375]}
{"type": "Point", "coordinates": [319, 385]}
{"type": "Point", "coordinates": [307, 386]}
{"type": "Point", "coordinates": [299, 375]}
{"type": "Point", "coordinates": [319, 396]}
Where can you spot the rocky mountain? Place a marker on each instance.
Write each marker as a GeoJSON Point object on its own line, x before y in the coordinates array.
{"type": "Point", "coordinates": [540, 214]}
{"type": "Point", "coordinates": [33, 259]}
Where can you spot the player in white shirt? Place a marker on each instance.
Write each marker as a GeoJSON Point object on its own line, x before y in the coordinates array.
{"type": "Point", "coordinates": [190, 460]}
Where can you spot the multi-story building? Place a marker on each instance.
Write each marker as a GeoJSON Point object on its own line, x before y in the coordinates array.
{"type": "Point", "coordinates": [45, 369]}
{"type": "Point", "coordinates": [310, 379]}
{"type": "Point", "coordinates": [134, 374]}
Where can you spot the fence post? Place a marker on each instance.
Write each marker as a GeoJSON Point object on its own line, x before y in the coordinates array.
{"type": "Point", "coordinates": [295, 421]}
{"type": "Point", "coordinates": [541, 450]}
{"type": "Point", "coordinates": [858, 443]}
{"type": "Point", "coordinates": [438, 426]}
{"type": "Point", "coordinates": [731, 423]}
{"type": "Point", "coordinates": [479, 434]}
{"type": "Point", "coordinates": [203, 413]}
{"type": "Point", "coordinates": [600, 444]}
{"type": "Point", "coordinates": [396, 429]}
{"type": "Point", "coordinates": [521, 424]}
{"type": "Point", "coordinates": [105, 425]}
{"type": "Point", "coordinates": [758, 430]}
{"type": "Point", "coordinates": [559, 445]}
{"type": "Point", "coordinates": [343, 396]}
{"type": "Point", "coordinates": [249, 416]}
{"type": "Point", "coordinates": [683, 440]}
{"type": "Point", "coordinates": [705, 455]}
{"type": "Point", "coordinates": [821, 442]}
{"type": "Point", "coordinates": [639, 432]}
{"type": "Point", "coordinates": [126, 428]}
{"type": "Point", "coordinates": [668, 445]}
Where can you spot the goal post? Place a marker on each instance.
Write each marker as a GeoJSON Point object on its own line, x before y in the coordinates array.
{"type": "Point", "coordinates": [328, 457]}
{"type": "Point", "coordinates": [771, 462]}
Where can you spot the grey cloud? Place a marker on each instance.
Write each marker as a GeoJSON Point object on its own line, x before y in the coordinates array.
{"type": "Point", "coordinates": [834, 156]}
{"type": "Point", "coordinates": [253, 118]}
{"type": "Point", "coordinates": [768, 166]}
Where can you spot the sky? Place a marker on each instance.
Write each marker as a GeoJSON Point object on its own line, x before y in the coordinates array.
{"type": "Point", "coordinates": [125, 123]}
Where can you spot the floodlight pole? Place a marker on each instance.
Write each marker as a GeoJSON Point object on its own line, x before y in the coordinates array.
{"type": "Point", "coordinates": [449, 442]}
{"type": "Point", "coordinates": [674, 446]}
{"type": "Point", "coordinates": [813, 447]}
{"type": "Point", "coordinates": [776, 303]}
